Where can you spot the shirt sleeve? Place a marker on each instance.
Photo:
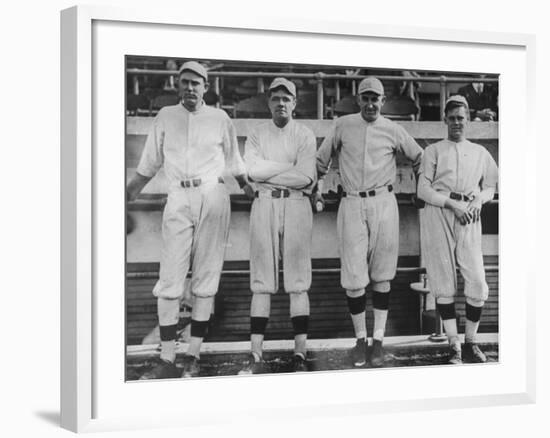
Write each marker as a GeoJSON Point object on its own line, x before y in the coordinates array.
{"type": "Point", "coordinates": [408, 146]}
{"type": "Point", "coordinates": [152, 157]}
{"type": "Point", "coordinates": [258, 168]}
{"type": "Point", "coordinates": [326, 150]}
{"type": "Point", "coordinates": [305, 161]}
{"type": "Point", "coordinates": [490, 172]}
{"type": "Point", "coordinates": [233, 161]}
{"type": "Point", "coordinates": [428, 168]}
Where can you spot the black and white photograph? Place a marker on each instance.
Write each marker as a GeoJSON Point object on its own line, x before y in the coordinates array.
{"type": "Point", "coordinates": [301, 218]}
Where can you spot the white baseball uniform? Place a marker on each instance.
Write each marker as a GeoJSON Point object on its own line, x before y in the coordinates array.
{"type": "Point", "coordinates": [281, 216]}
{"type": "Point", "coordinates": [368, 226]}
{"type": "Point", "coordinates": [196, 149]}
{"type": "Point", "coordinates": [464, 168]}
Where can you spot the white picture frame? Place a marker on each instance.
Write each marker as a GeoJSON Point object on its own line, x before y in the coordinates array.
{"type": "Point", "coordinates": [91, 327]}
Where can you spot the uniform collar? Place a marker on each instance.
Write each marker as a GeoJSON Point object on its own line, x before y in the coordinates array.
{"type": "Point", "coordinates": [377, 121]}
{"type": "Point", "coordinates": [197, 111]}
{"type": "Point", "coordinates": [457, 143]}
{"type": "Point", "coordinates": [284, 128]}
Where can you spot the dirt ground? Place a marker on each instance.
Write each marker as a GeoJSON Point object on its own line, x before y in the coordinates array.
{"type": "Point", "coordinates": [330, 360]}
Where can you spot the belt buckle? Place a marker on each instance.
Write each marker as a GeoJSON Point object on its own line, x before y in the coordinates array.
{"type": "Point", "coordinates": [275, 193]}
{"type": "Point", "coordinates": [371, 193]}
{"type": "Point", "coordinates": [362, 194]}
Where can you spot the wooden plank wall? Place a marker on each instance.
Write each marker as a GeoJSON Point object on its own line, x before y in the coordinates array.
{"type": "Point", "coordinates": [329, 315]}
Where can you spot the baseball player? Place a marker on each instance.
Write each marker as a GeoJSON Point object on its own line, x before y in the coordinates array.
{"type": "Point", "coordinates": [195, 144]}
{"type": "Point", "coordinates": [280, 159]}
{"type": "Point", "coordinates": [368, 220]}
{"type": "Point", "coordinates": [456, 178]}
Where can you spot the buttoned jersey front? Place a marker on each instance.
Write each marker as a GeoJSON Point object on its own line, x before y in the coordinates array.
{"type": "Point", "coordinates": [366, 151]}
{"type": "Point", "coordinates": [200, 144]}
{"type": "Point", "coordinates": [462, 167]}
{"type": "Point", "coordinates": [294, 143]}
{"type": "Point", "coordinates": [447, 244]}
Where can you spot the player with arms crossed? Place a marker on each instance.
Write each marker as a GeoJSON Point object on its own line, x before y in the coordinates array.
{"type": "Point", "coordinates": [456, 178]}
{"type": "Point", "coordinates": [280, 159]}
{"type": "Point", "coordinates": [196, 144]}
{"type": "Point", "coordinates": [368, 218]}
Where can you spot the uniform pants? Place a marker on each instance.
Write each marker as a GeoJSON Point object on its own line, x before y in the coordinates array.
{"type": "Point", "coordinates": [280, 228]}
{"type": "Point", "coordinates": [195, 228]}
{"type": "Point", "coordinates": [368, 237]}
{"type": "Point", "coordinates": [446, 245]}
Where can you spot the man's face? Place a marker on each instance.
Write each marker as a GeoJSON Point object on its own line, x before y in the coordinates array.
{"type": "Point", "coordinates": [191, 89]}
{"type": "Point", "coordinates": [370, 104]}
{"type": "Point", "coordinates": [281, 104]}
{"type": "Point", "coordinates": [456, 120]}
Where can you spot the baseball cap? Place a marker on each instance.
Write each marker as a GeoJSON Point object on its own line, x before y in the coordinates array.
{"type": "Point", "coordinates": [285, 83]}
{"type": "Point", "coordinates": [458, 99]}
{"type": "Point", "coordinates": [371, 83]}
{"type": "Point", "coordinates": [195, 67]}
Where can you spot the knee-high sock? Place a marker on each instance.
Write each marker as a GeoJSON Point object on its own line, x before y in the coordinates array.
{"type": "Point", "coordinates": [451, 330]}
{"type": "Point", "coordinates": [473, 314]}
{"type": "Point", "coordinates": [168, 314]}
{"type": "Point", "coordinates": [260, 307]}
{"type": "Point", "coordinates": [446, 309]}
{"type": "Point", "coordinates": [471, 331]}
{"type": "Point", "coordinates": [202, 308]}
{"type": "Point", "coordinates": [359, 319]}
{"type": "Point", "coordinates": [380, 318]}
{"type": "Point", "coordinates": [168, 350]}
{"type": "Point", "coordinates": [299, 306]}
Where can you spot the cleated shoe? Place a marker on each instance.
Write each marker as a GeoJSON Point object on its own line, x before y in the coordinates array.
{"type": "Point", "coordinates": [253, 366]}
{"type": "Point", "coordinates": [473, 354]}
{"type": "Point", "coordinates": [359, 353]}
{"type": "Point", "coordinates": [378, 355]}
{"type": "Point", "coordinates": [163, 370]}
{"type": "Point", "coordinates": [455, 354]}
{"type": "Point", "coordinates": [191, 366]}
{"type": "Point", "coordinates": [299, 364]}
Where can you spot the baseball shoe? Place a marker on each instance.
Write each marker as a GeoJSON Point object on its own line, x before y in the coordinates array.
{"type": "Point", "coordinates": [455, 354]}
{"type": "Point", "coordinates": [253, 366]}
{"type": "Point", "coordinates": [191, 367]}
{"type": "Point", "coordinates": [359, 353]}
{"type": "Point", "coordinates": [299, 364]}
{"type": "Point", "coordinates": [378, 354]}
{"type": "Point", "coordinates": [473, 354]}
{"type": "Point", "coordinates": [163, 370]}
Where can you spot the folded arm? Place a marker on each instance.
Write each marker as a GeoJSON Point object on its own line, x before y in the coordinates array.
{"type": "Point", "coordinates": [302, 174]}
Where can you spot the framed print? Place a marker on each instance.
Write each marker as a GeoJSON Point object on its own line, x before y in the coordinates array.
{"type": "Point", "coordinates": [121, 78]}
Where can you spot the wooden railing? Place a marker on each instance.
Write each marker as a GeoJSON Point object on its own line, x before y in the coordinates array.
{"type": "Point", "coordinates": [321, 79]}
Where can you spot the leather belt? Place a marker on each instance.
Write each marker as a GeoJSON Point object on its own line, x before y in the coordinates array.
{"type": "Point", "coordinates": [370, 193]}
{"type": "Point", "coordinates": [196, 182]}
{"type": "Point", "coordinates": [460, 197]}
{"type": "Point", "coordinates": [279, 193]}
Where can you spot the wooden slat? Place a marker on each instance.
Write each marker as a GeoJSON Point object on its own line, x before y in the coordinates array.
{"type": "Point", "coordinates": [329, 315]}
